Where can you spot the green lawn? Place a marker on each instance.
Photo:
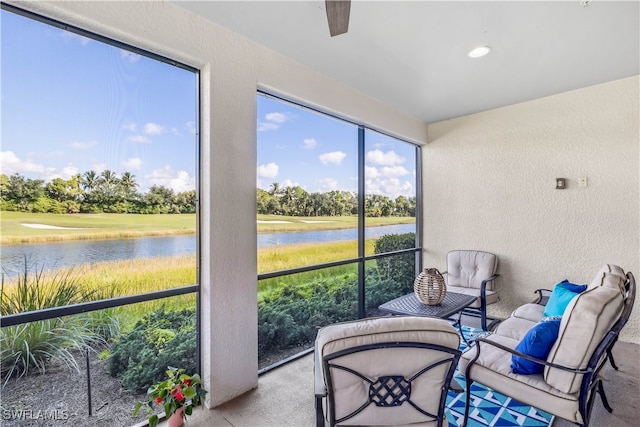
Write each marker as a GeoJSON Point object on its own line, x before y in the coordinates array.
{"type": "Point", "coordinates": [277, 223]}
{"type": "Point", "coordinates": [90, 226]}
{"type": "Point", "coordinates": [110, 226]}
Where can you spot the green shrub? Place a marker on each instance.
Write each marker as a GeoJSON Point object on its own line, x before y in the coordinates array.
{"type": "Point", "coordinates": [399, 267]}
{"type": "Point", "coordinates": [291, 315]}
{"type": "Point", "coordinates": [291, 311]}
{"type": "Point", "coordinates": [90, 208]}
{"type": "Point", "coordinates": [382, 289]}
{"type": "Point", "coordinates": [160, 339]}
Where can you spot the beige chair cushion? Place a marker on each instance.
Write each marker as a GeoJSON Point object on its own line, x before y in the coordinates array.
{"type": "Point", "coordinates": [492, 296]}
{"type": "Point", "coordinates": [514, 327]}
{"type": "Point", "coordinates": [586, 320]}
{"type": "Point", "coordinates": [531, 311]}
{"type": "Point", "coordinates": [610, 276]}
{"type": "Point", "coordinates": [350, 392]}
{"type": "Point", "coordinates": [493, 369]}
{"type": "Point", "coordinates": [467, 269]}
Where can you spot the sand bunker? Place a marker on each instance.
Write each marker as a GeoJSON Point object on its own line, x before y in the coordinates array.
{"type": "Point", "coordinates": [273, 222]}
{"type": "Point", "coordinates": [49, 227]}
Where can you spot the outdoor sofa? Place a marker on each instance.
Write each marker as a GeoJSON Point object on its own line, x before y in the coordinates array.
{"type": "Point", "coordinates": [577, 343]}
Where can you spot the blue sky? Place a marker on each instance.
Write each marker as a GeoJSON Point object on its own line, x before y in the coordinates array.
{"type": "Point", "coordinates": [71, 104]}
{"type": "Point", "coordinates": [298, 146]}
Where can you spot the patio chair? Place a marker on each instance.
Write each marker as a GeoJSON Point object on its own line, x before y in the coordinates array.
{"type": "Point", "coordinates": [385, 371]}
{"type": "Point", "coordinates": [474, 273]}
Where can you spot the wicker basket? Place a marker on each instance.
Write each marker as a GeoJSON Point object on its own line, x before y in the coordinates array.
{"type": "Point", "coordinates": [429, 287]}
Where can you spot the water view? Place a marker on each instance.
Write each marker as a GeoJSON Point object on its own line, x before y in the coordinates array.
{"type": "Point", "coordinates": [67, 254]}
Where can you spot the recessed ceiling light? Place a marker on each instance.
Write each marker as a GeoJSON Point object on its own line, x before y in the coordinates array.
{"type": "Point", "coordinates": [479, 51]}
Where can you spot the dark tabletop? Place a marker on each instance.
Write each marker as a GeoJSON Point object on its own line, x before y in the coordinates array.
{"type": "Point", "coordinates": [410, 305]}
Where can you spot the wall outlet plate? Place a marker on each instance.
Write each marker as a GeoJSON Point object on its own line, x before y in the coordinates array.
{"type": "Point", "coordinates": [582, 181]}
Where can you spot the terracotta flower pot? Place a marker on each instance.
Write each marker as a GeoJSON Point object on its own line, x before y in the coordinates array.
{"type": "Point", "coordinates": [176, 419]}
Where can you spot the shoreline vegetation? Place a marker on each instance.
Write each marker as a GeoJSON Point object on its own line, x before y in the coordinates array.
{"type": "Point", "coordinates": [21, 227]}
{"type": "Point", "coordinates": [133, 276]}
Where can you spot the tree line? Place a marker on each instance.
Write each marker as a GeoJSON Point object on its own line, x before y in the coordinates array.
{"type": "Point", "coordinates": [295, 201]}
{"type": "Point", "coordinates": [106, 192]}
{"type": "Point", "coordinates": [91, 192]}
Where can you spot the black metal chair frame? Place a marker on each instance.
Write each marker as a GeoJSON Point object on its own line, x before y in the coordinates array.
{"type": "Point", "coordinates": [380, 391]}
{"type": "Point", "coordinates": [482, 310]}
{"type": "Point", "coordinates": [591, 382]}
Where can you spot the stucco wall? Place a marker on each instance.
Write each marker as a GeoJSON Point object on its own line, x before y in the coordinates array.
{"type": "Point", "coordinates": [489, 184]}
{"type": "Point", "coordinates": [232, 68]}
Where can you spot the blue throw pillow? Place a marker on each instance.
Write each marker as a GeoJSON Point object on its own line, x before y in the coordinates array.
{"type": "Point", "coordinates": [560, 298]}
{"type": "Point", "coordinates": [571, 287]}
{"type": "Point", "coordinates": [537, 343]}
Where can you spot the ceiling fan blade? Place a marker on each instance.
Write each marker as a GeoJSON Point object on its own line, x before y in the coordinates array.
{"type": "Point", "coordinates": [338, 16]}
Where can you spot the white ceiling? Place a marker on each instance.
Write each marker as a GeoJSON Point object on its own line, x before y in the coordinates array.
{"type": "Point", "coordinates": [412, 55]}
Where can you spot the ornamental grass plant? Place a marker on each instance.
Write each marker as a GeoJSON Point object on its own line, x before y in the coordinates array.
{"type": "Point", "coordinates": [32, 346]}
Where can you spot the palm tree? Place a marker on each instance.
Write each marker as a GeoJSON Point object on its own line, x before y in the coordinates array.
{"type": "Point", "coordinates": [109, 177]}
{"type": "Point", "coordinates": [275, 189]}
{"type": "Point", "coordinates": [108, 186]}
{"type": "Point", "coordinates": [128, 182]}
{"type": "Point", "coordinates": [90, 180]}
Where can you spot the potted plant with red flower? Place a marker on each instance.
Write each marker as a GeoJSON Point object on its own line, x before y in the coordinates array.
{"type": "Point", "coordinates": [179, 393]}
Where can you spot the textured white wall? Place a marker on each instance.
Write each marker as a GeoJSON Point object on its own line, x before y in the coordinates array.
{"type": "Point", "coordinates": [232, 68]}
{"type": "Point", "coordinates": [489, 184]}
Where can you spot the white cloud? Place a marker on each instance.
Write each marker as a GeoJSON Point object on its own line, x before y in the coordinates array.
{"type": "Point", "coordinates": [390, 187]}
{"type": "Point", "coordinates": [371, 172]}
{"type": "Point", "coordinates": [65, 173]}
{"type": "Point", "coordinates": [335, 157]}
{"type": "Point", "coordinates": [129, 56]}
{"type": "Point", "coordinates": [11, 164]}
{"type": "Point", "coordinates": [83, 145]}
{"type": "Point", "coordinates": [263, 126]}
{"type": "Point", "coordinates": [141, 139]}
{"type": "Point", "coordinates": [379, 157]}
{"type": "Point", "coordinates": [276, 117]}
{"type": "Point", "coordinates": [98, 167]}
{"type": "Point", "coordinates": [394, 171]}
{"type": "Point", "coordinates": [328, 184]}
{"type": "Point", "coordinates": [154, 129]}
{"type": "Point", "coordinates": [269, 170]}
{"type": "Point", "coordinates": [272, 121]}
{"type": "Point", "coordinates": [132, 164]}
{"type": "Point", "coordinates": [310, 143]}
{"type": "Point", "coordinates": [182, 182]}
{"type": "Point", "coordinates": [176, 132]}
{"type": "Point", "coordinates": [289, 183]}
{"type": "Point", "coordinates": [177, 181]}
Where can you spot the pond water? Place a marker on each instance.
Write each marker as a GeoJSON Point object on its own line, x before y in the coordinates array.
{"type": "Point", "coordinates": [67, 254]}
